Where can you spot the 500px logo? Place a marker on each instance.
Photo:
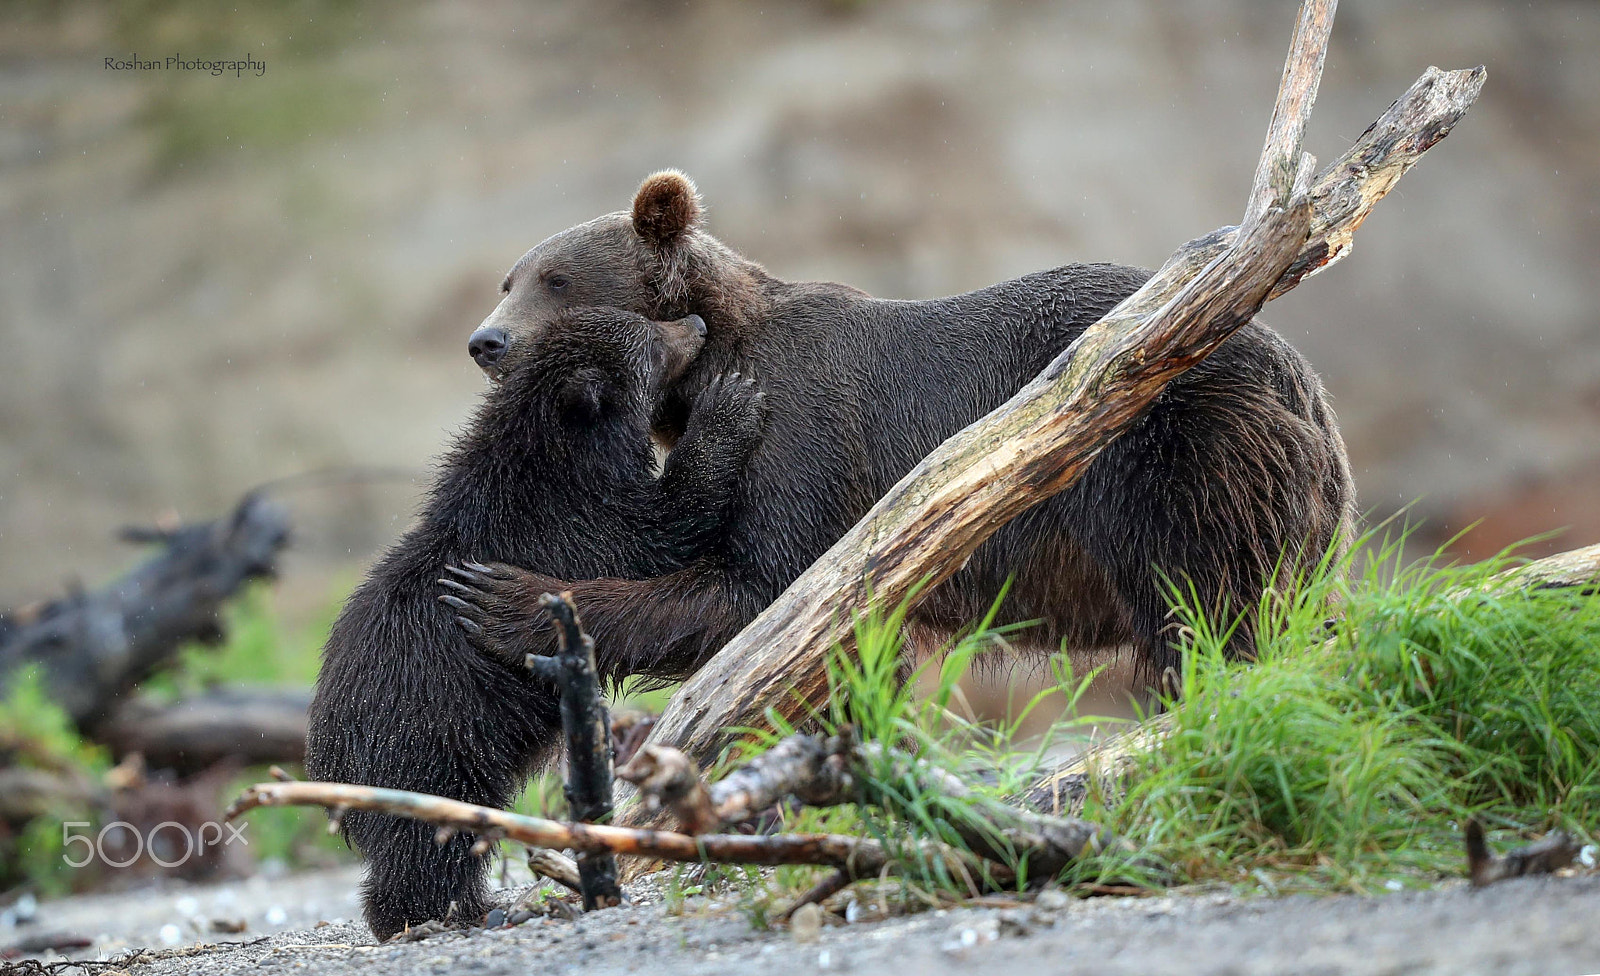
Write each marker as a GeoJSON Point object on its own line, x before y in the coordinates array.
{"type": "Point", "coordinates": [177, 62]}
{"type": "Point", "coordinates": [161, 843]}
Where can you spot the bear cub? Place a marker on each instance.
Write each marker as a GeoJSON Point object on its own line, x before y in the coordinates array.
{"type": "Point", "coordinates": [557, 471]}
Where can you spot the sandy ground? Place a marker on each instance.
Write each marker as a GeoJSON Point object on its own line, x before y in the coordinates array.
{"type": "Point", "coordinates": [306, 923]}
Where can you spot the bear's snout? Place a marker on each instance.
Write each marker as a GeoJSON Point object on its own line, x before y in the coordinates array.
{"type": "Point", "coordinates": [487, 346]}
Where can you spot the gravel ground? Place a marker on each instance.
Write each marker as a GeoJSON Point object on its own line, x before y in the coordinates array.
{"type": "Point", "coordinates": [1537, 926]}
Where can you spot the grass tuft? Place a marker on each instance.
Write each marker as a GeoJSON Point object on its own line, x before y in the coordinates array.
{"type": "Point", "coordinates": [1350, 753]}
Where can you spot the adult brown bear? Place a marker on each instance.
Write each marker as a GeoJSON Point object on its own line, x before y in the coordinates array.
{"type": "Point", "coordinates": [1237, 466]}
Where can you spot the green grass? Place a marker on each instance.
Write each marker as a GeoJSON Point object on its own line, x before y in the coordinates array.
{"type": "Point", "coordinates": [1385, 706]}
{"type": "Point", "coordinates": [1351, 752]}
{"type": "Point", "coordinates": [35, 733]}
{"type": "Point", "coordinates": [868, 697]}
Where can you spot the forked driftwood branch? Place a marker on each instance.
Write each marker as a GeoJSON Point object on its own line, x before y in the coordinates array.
{"type": "Point", "coordinates": [587, 725]}
{"type": "Point", "coordinates": [1040, 442]}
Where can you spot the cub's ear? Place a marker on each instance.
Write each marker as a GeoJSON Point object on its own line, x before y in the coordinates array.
{"type": "Point", "coordinates": [666, 206]}
{"type": "Point", "coordinates": [585, 394]}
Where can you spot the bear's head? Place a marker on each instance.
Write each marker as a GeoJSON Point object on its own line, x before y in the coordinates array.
{"type": "Point", "coordinates": [590, 367]}
{"type": "Point", "coordinates": [654, 260]}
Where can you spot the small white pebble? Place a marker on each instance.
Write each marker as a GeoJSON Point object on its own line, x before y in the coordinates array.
{"type": "Point", "coordinates": [170, 934]}
{"type": "Point", "coordinates": [824, 959]}
{"type": "Point", "coordinates": [852, 911]}
{"type": "Point", "coordinates": [1393, 884]}
{"type": "Point", "coordinates": [1587, 856]}
{"type": "Point", "coordinates": [276, 915]}
{"type": "Point", "coordinates": [187, 906]}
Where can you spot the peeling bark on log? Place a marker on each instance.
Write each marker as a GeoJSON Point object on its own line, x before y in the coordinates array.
{"type": "Point", "coordinates": [1576, 567]}
{"type": "Point", "coordinates": [95, 647]}
{"type": "Point", "coordinates": [588, 730]}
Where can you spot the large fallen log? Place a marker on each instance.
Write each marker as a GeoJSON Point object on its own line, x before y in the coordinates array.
{"type": "Point", "coordinates": [247, 726]}
{"type": "Point", "coordinates": [95, 647]}
{"type": "Point", "coordinates": [1040, 442]}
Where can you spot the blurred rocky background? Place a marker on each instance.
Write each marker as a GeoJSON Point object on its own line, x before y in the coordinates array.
{"type": "Point", "coordinates": [208, 282]}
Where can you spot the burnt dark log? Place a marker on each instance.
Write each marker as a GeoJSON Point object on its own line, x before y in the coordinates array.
{"type": "Point", "coordinates": [94, 647]}
{"type": "Point", "coordinates": [587, 725]}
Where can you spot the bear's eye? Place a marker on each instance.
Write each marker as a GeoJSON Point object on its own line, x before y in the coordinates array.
{"type": "Point", "coordinates": [557, 283]}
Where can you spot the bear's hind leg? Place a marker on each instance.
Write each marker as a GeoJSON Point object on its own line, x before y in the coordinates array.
{"type": "Point", "coordinates": [430, 714]}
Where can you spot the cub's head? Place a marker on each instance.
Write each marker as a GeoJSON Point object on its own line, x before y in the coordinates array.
{"type": "Point", "coordinates": [593, 364]}
{"type": "Point", "coordinates": [653, 260]}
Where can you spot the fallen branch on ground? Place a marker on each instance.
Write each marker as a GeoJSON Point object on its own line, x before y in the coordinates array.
{"type": "Point", "coordinates": [859, 857]}
{"type": "Point", "coordinates": [248, 726]}
{"type": "Point", "coordinates": [557, 867]}
{"type": "Point", "coordinates": [1546, 855]}
{"type": "Point", "coordinates": [836, 770]}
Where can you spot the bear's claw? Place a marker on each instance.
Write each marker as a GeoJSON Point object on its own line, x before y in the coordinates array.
{"type": "Point", "coordinates": [482, 597]}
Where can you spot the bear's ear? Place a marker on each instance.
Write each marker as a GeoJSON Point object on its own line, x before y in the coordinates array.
{"type": "Point", "coordinates": [666, 206]}
{"type": "Point", "coordinates": [584, 394]}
